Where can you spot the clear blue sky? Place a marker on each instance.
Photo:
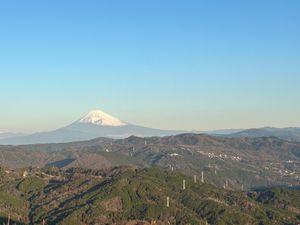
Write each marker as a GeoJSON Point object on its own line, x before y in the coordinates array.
{"type": "Point", "coordinates": [166, 64]}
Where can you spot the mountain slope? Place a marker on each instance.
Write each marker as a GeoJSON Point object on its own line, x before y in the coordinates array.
{"type": "Point", "coordinates": [127, 195]}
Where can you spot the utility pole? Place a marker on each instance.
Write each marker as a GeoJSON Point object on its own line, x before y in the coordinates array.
{"type": "Point", "coordinates": [183, 184]}
{"type": "Point", "coordinates": [8, 220]}
{"type": "Point", "coordinates": [226, 184]}
{"type": "Point", "coordinates": [202, 176]}
{"type": "Point", "coordinates": [195, 179]}
{"type": "Point", "coordinates": [132, 152]}
{"type": "Point", "coordinates": [168, 202]}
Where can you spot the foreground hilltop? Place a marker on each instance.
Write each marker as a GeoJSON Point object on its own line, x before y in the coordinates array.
{"type": "Point", "coordinates": [126, 195]}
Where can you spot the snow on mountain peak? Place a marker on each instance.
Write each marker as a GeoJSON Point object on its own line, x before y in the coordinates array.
{"type": "Point", "coordinates": [101, 118]}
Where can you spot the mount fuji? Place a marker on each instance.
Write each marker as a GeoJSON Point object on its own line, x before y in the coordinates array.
{"type": "Point", "coordinates": [93, 125]}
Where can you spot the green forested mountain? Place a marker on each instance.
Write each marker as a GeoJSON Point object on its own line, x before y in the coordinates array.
{"type": "Point", "coordinates": [127, 195]}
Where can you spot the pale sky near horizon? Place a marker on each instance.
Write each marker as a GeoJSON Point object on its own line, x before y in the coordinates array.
{"type": "Point", "coordinates": [192, 65]}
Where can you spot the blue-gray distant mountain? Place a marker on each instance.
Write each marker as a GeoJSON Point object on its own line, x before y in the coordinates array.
{"type": "Point", "coordinates": [289, 134]}
{"type": "Point", "coordinates": [4, 135]}
{"type": "Point", "coordinates": [95, 124]}
{"type": "Point", "coordinates": [222, 132]}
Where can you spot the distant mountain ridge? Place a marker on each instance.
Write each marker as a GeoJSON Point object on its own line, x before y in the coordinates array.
{"type": "Point", "coordinates": [289, 133]}
{"type": "Point", "coordinates": [95, 124]}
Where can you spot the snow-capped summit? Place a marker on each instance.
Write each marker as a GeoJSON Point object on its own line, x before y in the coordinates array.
{"type": "Point", "coordinates": [98, 117]}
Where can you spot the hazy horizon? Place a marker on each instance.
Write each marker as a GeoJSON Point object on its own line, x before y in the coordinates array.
{"type": "Point", "coordinates": [129, 122]}
{"type": "Point", "coordinates": [177, 65]}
